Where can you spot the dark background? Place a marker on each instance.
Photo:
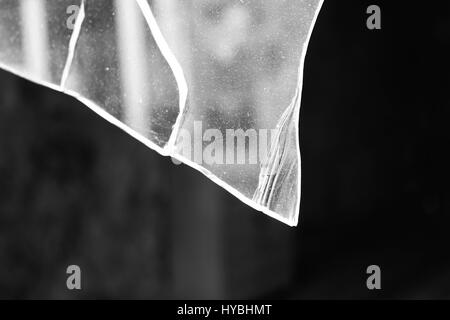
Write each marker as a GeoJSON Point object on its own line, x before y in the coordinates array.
{"type": "Point", "coordinates": [374, 136]}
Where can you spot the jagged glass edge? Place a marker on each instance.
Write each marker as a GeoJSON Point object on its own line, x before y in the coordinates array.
{"type": "Point", "coordinates": [168, 150]}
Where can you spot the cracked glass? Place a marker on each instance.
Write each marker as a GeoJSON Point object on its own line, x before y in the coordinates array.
{"type": "Point", "coordinates": [215, 84]}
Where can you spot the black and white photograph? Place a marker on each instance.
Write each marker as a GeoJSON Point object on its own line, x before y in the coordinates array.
{"type": "Point", "coordinates": [224, 150]}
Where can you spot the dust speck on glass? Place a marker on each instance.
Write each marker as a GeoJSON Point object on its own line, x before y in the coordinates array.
{"type": "Point", "coordinates": [214, 84]}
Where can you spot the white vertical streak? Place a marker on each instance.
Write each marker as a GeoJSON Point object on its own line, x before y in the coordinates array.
{"type": "Point", "coordinates": [35, 38]}
{"type": "Point", "coordinates": [174, 65]}
{"type": "Point", "coordinates": [133, 66]}
{"type": "Point", "coordinates": [72, 44]}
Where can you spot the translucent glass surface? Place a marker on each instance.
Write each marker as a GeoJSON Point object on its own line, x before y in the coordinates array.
{"type": "Point", "coordinates": [34, 38]}
{"type": "Point", "coordinates": [118, 66]}
{"type": "Point", "coordinates": [215, 84]}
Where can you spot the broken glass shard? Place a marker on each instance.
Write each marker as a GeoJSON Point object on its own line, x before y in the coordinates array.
{"type": "Point", "coordinates": [118, 66]}
{"type": "Point", "coordinates": [241, 63]}
{"type": "Point", "coordinates": [215, 84]}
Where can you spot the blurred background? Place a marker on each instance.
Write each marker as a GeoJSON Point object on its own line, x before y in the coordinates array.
{"type": "Point", "coordinates": [74, 189]}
